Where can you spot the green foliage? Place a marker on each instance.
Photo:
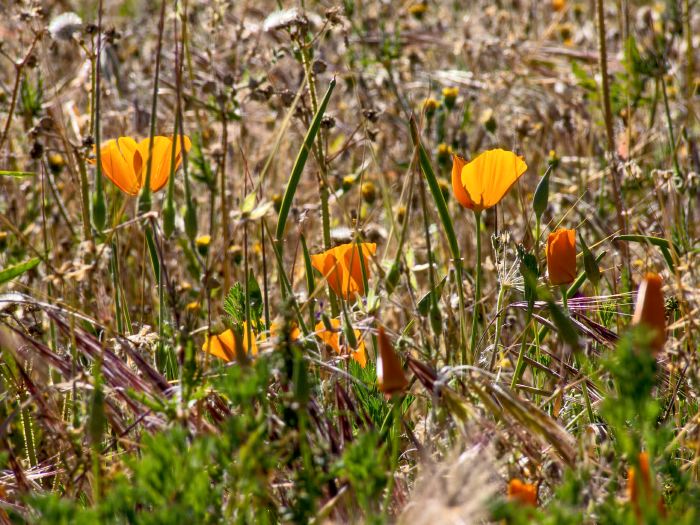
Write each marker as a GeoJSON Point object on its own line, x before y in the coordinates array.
{"type": "Point", "coordinates": [30, 98]}
{"type": "Point", "coordinates": [235, 302]}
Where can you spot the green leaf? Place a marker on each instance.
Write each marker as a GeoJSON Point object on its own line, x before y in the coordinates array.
{"type": "Point", "coordinates": [425, 301]}
{"type": "Point", "coordinates": [234, 303]}
{"type": "Point", "coordinates": [18, 269]}
{"type": "Point", "coordinates": [590, 264]}
{"type": "Point", "coordinates": [565, 327]}
{"type": "Point", "coordinates": [436, 192]}
{"type": "Point", "coordinates": [530, 273]}
{"type": "Point", "coordinates": [300, 163]}
{"type": "Point", "coordinates": [17, 173]}
{"type": "Point", "coordinates": [664, 245]}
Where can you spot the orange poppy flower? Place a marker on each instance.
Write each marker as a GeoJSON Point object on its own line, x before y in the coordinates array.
{"type": "Point", "coordinates": [391, 378]}
{"type": "Point", "coordinates": [483, 182]}
{"type": "Point", "coordinates": [124, 161]}
{"type": "Point", "coordinates": [561, 256]}
{"type": "Point", "coordinates": [641, 489]}
{"type": "Point", "coordinates": [558, 5]}
{"type": "Point", "coordinates": [650, 310]}
{"type": "Point", "coordinates": [524, 493]}
{"type": "Point", "coordinates": [223, 345]}
{"type": "Point", "coordinates": [342, 267]}
{"type": "Point", "coordinates": [332, 339]}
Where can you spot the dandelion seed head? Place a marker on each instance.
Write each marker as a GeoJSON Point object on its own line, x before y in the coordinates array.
{"type": "Point", "coordinates": [65, 25]}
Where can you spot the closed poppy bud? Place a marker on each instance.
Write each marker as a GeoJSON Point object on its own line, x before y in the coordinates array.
{"type": "Point", "coordinates": [391, 378]}
{"type": "Point", "coordinates": [650, 311]}
{"type": "Point", "coordinates": [541, 197]}
{"type": "Point", "coordinates": [561, 257]}
{"type": "Point", "coordinates": [523, 493]}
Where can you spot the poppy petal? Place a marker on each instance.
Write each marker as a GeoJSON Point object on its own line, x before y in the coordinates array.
{"type": "Point", "coordinates": [488, 177]}
{"type": "Point", "coordinates": [117, 164]}
{"type": "Point", "coordinates": [457, 188]}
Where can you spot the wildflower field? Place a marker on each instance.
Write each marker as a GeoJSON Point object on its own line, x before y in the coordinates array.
{"type": "Point", "coordinates": [349, 261]}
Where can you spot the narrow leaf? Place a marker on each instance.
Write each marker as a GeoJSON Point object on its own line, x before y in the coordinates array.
{"type": "Point", "coordinates": [300, 163]}
{"type": "Point", "coordinates": [18, 269]}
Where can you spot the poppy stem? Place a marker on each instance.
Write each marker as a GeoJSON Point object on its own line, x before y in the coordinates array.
{"type": "Point", "coordinates": [477, 286]}
{"type": "Point", "coordinates": [499, 317]}
{"type": "Point", "coordinates": [565, 298]}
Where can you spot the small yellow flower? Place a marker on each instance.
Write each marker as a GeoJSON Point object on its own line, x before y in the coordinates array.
{"type": "Point", "coordinates": [236, 253]}
{"type": "Point", "coordinates": [449, 95]}
{"type": "Point", "coordinates": [418, 10]}
{"type": "Point", "coordinates": [430, 106]}
{"type": "Point", "coordinates": [369, 192]}
{"type": "Point", "coordinates": [444, 153]}
{"type": "Point", "coordinates": [202, 242]}
{"type": "Point", "coordinates": [193, 306]}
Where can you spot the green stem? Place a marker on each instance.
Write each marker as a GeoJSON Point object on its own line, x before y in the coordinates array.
{"type": "Point", "coordinates": [499, 323]}
{"type": "Point", "coordinates": [477, 288]}
{"type": "Point", "coordinates": [669, 123]}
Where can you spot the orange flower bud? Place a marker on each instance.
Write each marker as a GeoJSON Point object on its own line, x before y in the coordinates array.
{"type": "Point", "coordinates": [390, 375]}
{"type": "Point", "coordinates": [650, 311]}
{"type": "Point", "coordinates": [561, 257]}
{"type": "Point", "coordinates": [524, 493]}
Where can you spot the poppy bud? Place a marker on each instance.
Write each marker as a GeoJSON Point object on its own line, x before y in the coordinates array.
{"type": "Point", "coordinates": [191, 219]}
{"type": "Point", "coordinates": [391, 378]}
{"type": "Point", "coordinates": [99, 209]}
{"type": "Point", "coordinates": [168, 217]}
{"type": "Point", "coordinates": [541, 197]}
{"type": "Point", "coordinates": [650, 311]}
{"type": "Point", "coordinates": [561, 257]}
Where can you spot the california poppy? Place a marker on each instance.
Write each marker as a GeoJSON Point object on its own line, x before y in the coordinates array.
{"type": "Point", "coordinates": [561, 256]}
{"type": "Point", "coordinates": [223, 345]}
{"type": "Point", "coordinates": [650, 310]}
{"type": "Point", "coordinates": [391, 378]}
{"type": "Point", "coordinates": [483, 182]}
{"type": "Point", "coordinates": [125, 162]}
{"type": "Point", "coordinates": [524, 493]}
{"type": "Point", "coordinates": [342, 267]}
{"type": "Point", "coordinates": [332, 339]}
{"type": "Point", "coordinates": [641, 490]}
